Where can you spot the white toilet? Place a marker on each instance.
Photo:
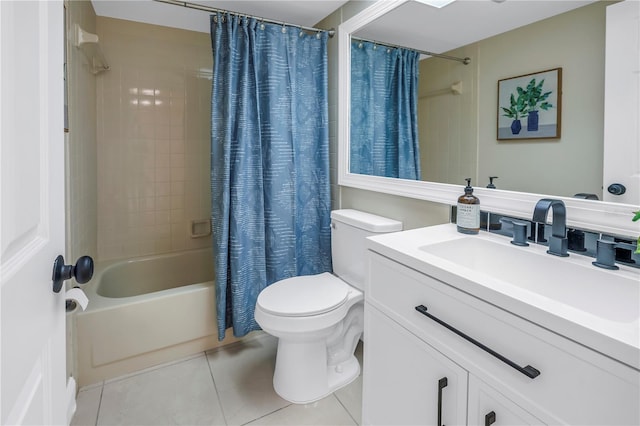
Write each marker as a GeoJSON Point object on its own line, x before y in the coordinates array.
{"type": "Point", "coordinates": [318, 319]}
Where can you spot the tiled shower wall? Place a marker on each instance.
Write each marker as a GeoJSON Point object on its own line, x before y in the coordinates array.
{"type": "Point", "coordinates": [153, 154]}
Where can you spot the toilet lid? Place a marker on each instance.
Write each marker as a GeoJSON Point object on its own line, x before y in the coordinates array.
{"type": "Point", "coordinates": [304, 296]}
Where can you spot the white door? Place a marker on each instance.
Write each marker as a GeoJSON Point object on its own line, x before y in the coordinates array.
{"type": "Point", "coordinates": [32, 327]}
{"type": "Point", "coordinates": [622, 102]}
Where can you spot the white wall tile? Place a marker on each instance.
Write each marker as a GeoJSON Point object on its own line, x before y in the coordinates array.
{"type": "Point", "coordinates": [143, 172]}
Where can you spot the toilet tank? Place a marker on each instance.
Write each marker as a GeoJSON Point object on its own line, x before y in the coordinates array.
{"type": "Point", "coordinates": [349, 229]}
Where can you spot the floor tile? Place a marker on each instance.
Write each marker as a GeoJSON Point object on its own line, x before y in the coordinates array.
{"type": "Point", "coordinates": [240, 391]}
{"type": "Point", "coordinates": [243, 376]}
{"type": "Point", "coordinates": [327, 411]}
{"type": "Point", "coordinates": [178, 394]}
{"type": "Point", "coordinates": [87, 406]}
{"type": "Point", "coordinates": [350, 397]}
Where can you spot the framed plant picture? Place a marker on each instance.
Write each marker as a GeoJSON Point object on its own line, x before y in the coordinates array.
{"type": "Point", "coordinates": [530, 105]}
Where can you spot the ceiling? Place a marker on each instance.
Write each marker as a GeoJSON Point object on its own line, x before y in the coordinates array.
{"type": "Point", "coordinates": [419, 26]}
{"type": "Point", "coordinates": [299, 12]}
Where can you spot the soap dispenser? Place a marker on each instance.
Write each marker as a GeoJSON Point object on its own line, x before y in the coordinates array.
{"type": "Point", "coordinates": [468, 211]}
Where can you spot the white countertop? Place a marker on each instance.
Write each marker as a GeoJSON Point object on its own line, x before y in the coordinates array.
{"type": "Point", "coordinates": [608, 331]}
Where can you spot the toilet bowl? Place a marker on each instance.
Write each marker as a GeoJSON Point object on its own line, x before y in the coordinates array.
{"type": "Point", "coordinates": [318, 319]}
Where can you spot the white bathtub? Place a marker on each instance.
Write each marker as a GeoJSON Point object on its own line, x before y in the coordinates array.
{"type": "Point", "coordinates": [146, 311]}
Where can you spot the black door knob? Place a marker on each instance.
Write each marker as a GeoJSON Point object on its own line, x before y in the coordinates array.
{"type": "Point", "coordinates": [82, 271]}
{"type": "Point", "coordinates": [617, 189]}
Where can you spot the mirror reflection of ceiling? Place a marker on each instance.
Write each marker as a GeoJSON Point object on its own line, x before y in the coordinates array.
{"type": "Point", "coordinates": [459, 23]}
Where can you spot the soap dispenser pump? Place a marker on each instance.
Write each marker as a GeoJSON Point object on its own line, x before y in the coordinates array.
{"type": "Point", "coordinates": [468, 211]}
{"type": "Point", "coordinates": [491, 184]}
{"type": "Point", "coordinates": [494, 220]}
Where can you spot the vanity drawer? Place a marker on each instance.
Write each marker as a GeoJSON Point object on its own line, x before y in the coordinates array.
{"type": "Point", "coordinates": [575, 386]}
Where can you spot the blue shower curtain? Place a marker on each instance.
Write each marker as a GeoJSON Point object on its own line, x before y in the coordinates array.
{"type": "Point", "coordinates": [269, 161]}
{"type": "Point", "coordinates": [384, 111]}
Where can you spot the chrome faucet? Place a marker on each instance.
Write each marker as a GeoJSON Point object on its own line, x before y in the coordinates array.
{"type": "Point", "coordinates": [558, 242]}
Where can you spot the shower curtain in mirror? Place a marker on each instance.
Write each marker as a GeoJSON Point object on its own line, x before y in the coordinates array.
{"type": "Point", "coordinates": [269, 161]}
{"type": "Point", "coordinates": [384, 114]}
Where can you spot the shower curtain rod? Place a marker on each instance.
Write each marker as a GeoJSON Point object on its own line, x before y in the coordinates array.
{"type": "Point", "coordinates": [196, 6]}
{"type": "Point", "coordinates": [465, 61]}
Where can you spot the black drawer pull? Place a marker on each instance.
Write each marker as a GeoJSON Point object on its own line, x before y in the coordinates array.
{"type": "Point", "coordinates": [490, 418]}
{"type": "Point", "coordinates": [528, 371]}
{"type": "Point", "coordinates": [442, 383]}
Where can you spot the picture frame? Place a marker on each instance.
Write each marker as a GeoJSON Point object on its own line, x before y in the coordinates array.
{"type": "Point", "coordinates": [530, 106]}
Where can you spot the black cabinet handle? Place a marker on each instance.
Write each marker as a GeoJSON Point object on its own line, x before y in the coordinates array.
{"type": "Point", "coordinates": [442, 383]}
{"type": "Point", "coordinates": [528, 371]}
{"type": "Point", "coordinates": [490, 418]}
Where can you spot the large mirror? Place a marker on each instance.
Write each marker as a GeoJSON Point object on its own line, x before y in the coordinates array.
{"type": "Point", "coordinates": [458, 107]}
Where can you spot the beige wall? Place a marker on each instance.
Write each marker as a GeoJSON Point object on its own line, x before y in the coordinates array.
{"type": "Point", "coordinates": [573, 163]}
{"type": "Point", "coordinates": [154, 114]}
{"type": "Point", "coordinates": [444, 116]}
{"type": "Point", "coordinates": [413, 213]}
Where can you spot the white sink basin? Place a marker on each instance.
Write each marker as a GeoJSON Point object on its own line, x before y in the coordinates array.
{"type": "Point", "coordinates": [572, 281]}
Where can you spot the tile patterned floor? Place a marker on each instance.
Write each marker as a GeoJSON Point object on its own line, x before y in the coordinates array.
{"type": "Point", "coordinates": [229, 386]}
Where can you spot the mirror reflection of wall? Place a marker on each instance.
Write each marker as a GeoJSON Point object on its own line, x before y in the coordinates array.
{"type": "Point", "coordinates": [457, 132]}
{"type": "Point", "coordinates": [447, 105]}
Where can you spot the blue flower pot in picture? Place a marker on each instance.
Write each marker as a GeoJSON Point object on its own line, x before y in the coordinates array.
{"type": "Point", "coordinates": [532, 121]}
{"type": "Point", "coordinates": [516, 126]}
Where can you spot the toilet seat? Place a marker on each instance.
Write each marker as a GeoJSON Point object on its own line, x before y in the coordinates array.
{"type": "Point", "coordinates": [304, 296]}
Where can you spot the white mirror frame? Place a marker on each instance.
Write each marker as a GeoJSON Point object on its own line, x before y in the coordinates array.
{"type": "Point", "coordinates": [598, 216]}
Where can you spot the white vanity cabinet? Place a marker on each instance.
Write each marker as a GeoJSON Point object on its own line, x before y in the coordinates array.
{"type": "Point", "coordinates": [408, 382]}
{"type": "Point", "coordinates": [407, 353]}
{"type": "Point", "coordinates": [489, 407]}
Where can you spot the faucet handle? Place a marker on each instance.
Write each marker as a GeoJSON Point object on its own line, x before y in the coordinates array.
{"type": "Point", "coordinates": [519, 231]}
{"type": "Point", "coordinates": [605, 254]}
